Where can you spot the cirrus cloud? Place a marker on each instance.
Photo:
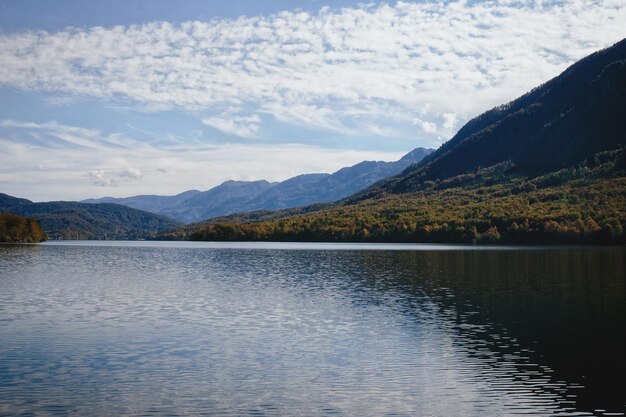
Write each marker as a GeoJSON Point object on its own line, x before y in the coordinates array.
{"type": "Point", "coordinates": [242, 126]}
{"type": "Point", "coordinates": [353, 71]}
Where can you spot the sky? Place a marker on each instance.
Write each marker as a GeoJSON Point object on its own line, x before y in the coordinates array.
{"type": "Point", "coordinates": [130, 97]}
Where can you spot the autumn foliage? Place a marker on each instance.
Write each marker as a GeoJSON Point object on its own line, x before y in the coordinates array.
{"type": "Point", "coordinates": [584, 204]}
{"type": "Point", "coordinates": [19, 229]}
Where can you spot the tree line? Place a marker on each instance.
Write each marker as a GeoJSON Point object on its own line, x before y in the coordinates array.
{"type": "Point", "coordinates": [18, 229]}
{"type": "Point", "coordinates": [570, 206]}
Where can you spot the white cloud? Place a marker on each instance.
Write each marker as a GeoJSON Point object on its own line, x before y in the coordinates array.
{"type": "Point", "coordinates": [326, 71]}
{"type": "Point", "coordinates": [311, 116]}
{"type": "Point", "coordinates": [130, 167]}
{"type": "Point", "coordinates": [242, 126]}
{"type": "Point", "coordinates": [378, 130]}
{"type": "Point", "coordinates": [101, 178]}
{"type": "Point", "coordinates": [52, 134]}
{"type": "Point", "coordinates": [132, 173]}
{"type": "Point", "coordinates": [428, 127]}
{"type": "Point", "coordinates": [449, 121]}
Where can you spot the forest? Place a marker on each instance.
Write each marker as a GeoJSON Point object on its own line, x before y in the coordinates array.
{"type": "Point", "coordinates": [72, 220]}
{"type": "Point", "coordinates": [582, 204]}
{"type": "Point", "coordinates": [18, 229]}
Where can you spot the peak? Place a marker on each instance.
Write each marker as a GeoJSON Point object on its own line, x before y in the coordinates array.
{"type": "Point", "coordinates": [417, 153]}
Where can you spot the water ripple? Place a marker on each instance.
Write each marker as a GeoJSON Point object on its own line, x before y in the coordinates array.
{"type": "Point", "coordinates": [155, 331]}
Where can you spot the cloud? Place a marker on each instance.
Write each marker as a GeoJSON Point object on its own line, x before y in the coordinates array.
{"type": "Point", "coordinates": [428, 127]}
{"type": "Point", "coordinates": [131, 173]}
{"type": "Point", "coordinates": [130, 167]}
{"type": "Point", "coordinates": [55, 135]}
{"type": "Point", "coordinates": [449, 121]}
{"type": "Point", "coordinates": [333, 70]}
{"type": "Point", "coordinates": [101, 178]}
{"type": "Point", "coordinates": [242, 126]}
{"type": "Point", "coordinates": [311, 116]}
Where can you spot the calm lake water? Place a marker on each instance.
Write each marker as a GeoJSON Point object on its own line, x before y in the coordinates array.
{"type": "Point", "coordinates": [158, 328]}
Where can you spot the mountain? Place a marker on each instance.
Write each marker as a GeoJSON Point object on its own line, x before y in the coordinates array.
{"type": "Point", "coordinates": [225, 198]}
{"type": "Point", "coordinates": [557, 125]}
{"type": "Point", "coordinates": [151, 203]}
{"type": "Point", "coordinates": [295, 191]}
{"type": "Point", "coordinates": [322, 188]}
{"type": "Point", "coordinates": [243, 196]}
{"type": "Point", "coordinates": [71, 220]}
{"type": "Point", "coordinates": [192, 206]}
{"type": "Point", "coordinates": [548, 167]}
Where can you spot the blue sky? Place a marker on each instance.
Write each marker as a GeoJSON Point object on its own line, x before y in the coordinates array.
{"type": "Point", "coordinates": [157, 97]}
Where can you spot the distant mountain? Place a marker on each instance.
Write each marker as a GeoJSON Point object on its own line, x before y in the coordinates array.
{"type": "Point", "coordinates": [548, 167]}
{"type": "Point", "coordinates": [242, 196]}
{"type": "Point", "coordinates": [152, 203]}
{"type": "Point", "coordinates": [322, 188]}
{"type": "Point", "coordinates": [225, 198]}
{"type": "Point", "coordinates": [71, 220]}
{"type": "Point", "coordinates": [191, 206]}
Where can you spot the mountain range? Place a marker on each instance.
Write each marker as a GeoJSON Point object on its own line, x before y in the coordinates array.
{"type": "Point", "coordinates": [72, 220]}
{"type": "Point", "coordinates": [549, 166]}
{"type": "Point", "coordinates": [244, 196]}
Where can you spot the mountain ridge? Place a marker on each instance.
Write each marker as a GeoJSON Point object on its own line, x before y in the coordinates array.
{"type": "Point", "coordinates": [503, 129]}
{"type": "Point", "coordinates": [244, 196]}
{"type": "Point", "coordinates": [547, 167]}
{"type": "Point", "coordinates": [73, 220]}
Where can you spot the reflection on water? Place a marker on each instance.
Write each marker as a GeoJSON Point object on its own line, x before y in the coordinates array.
{"type": "Point", "coordinates": [164, 330]}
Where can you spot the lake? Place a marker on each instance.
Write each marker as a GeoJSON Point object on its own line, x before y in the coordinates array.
{"type": "Point", "coordinates": [252, 329]}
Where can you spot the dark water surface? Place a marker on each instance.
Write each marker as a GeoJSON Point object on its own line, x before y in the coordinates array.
{"type": "Point", "coordinates": [157, 329]}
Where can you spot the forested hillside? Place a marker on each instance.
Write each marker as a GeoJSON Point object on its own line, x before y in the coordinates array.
{"type": "Point", "coordinates": [577, 205]}
{"type": "Point", "coordinates": [71, 220]}
{"type": "Point", "coordinates": [18, 229]}
{"type": "Point", "coordinates": [548, 167]}
{"type": "Point", "coordinates": [557, 125]}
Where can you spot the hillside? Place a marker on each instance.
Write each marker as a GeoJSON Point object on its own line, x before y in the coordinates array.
{"type": "Point", "coordinates": [557, 125]}
{"type": "Point", "coordinates": [562, 207]}
{"type": "Point", "coordinates": [18, 229]}
{"type": "Point", "coordinates": [244, 196]}
{"type": "Point", "coordinates": [71, 220]}
{"type": "Point", "coordinates": [547, 167]}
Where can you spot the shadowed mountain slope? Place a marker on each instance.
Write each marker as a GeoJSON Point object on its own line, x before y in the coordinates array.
{"type": "Point", "coordinates": [556, 125]}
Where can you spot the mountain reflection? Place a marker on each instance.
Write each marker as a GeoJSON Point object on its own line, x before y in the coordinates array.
{"type": "Point", "coordinates": [561, 310]}
{"type": "Point", "coordinates": [248, 331]}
